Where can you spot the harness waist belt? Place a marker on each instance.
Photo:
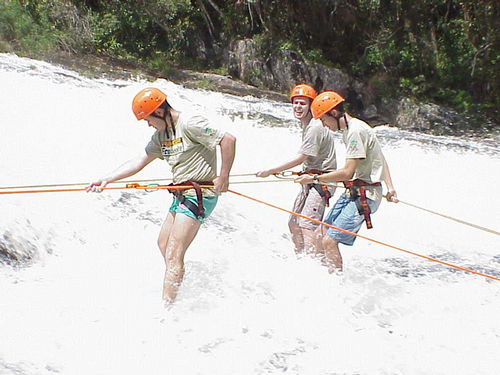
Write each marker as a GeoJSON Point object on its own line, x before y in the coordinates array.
{"type": "Point", "coordinates": [321, 189]}
{"type": "Point", "coordinates": [358, 183]}
{"type": "Point", "coordinates": [357, 190]}
{"type": "Point", "coordinates": [198, 210]}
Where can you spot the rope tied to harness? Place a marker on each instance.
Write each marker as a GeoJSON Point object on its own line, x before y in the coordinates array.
{"type": "Point", "coordinates": [197, 209]}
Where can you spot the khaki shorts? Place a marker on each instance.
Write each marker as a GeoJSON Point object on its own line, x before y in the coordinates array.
{"type": "Point", "coordinates": [309, 203]}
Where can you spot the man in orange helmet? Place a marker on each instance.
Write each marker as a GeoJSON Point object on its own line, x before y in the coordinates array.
{"type": "Point", "coordinates": [188, 144]}
{"type": "Point", "coordinates": [365, 168]}
{"type": "Point", "coordinates": [316, 154]}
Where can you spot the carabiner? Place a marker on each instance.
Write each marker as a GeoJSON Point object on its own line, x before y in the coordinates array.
{"type": "Point", "coordinates": [148, 190]}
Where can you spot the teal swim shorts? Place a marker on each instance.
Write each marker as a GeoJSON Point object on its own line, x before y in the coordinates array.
{"type": "Point", "coordinates": [209, 204]}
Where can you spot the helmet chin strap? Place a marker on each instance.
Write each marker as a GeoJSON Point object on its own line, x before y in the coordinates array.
{"type": "Point", "coordinates": [338, 117]}
{"type": "Point", "coordinates": [171, 122]}
{"type": "Point", "coordinates": [345, 120]}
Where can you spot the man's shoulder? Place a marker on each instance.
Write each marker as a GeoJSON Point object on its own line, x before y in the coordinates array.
{"type": "Point", "coordinates": [357, 126]}
{"type": "Point", "coordinates": [192, 119]}
{"type": "Point", "coordinates": [315, 124]}
{"type": "Point", "coordinates": [357, 123]}
{"type": "Point", "coordinates": [315, 127]}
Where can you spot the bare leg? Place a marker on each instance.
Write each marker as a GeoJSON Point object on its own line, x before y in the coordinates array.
{"type": "Point", "coordinates": [176, 235]}
{"type": "Point", "coordinates": [309, 236]}
{"type": "Point", "coordinates": [319, 233]}
{"type": "Point", "coordinates": [297, 237]}
{"type": "Point", "coordinates": [165, 233]}
{"type": "Point", "coordinates": [332, 254]}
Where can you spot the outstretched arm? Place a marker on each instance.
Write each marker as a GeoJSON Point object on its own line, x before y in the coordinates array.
{"type": "Point", "coordinates": [228, 148]}
{"type": "Point", "coordinates": [127, 169]}
{"type": "Point", "coordinates": [289, 164]}
{"type": "Point", "coordinates": [343, 174]}
{"type": "Point", "coordinates": [391, 195]}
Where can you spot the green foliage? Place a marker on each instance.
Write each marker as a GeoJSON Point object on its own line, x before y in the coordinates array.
{"type": "Point", "coordinates": [221, 70]}
{"type": "Point", "coordinates": [20, 32]}
{"type": "Point", "coordinates": [158, 63]}
{"type": "Point", "coordinates": [205, 84]}
{"type": "Point", "coordinates": [316, 55]}
{"type": "Point", "coordinates": [235, 23]}
{"type": "Point", "coordinates": [443, 50]}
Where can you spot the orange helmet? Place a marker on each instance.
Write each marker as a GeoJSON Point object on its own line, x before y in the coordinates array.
{"type": "Point", "coordinates": [325, 102]}
{"type": "Point", "coordinates": [303, 90]}
{"type": "Point", "coordinates": [146, 101]}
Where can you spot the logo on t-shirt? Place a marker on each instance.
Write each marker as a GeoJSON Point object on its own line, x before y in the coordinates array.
{"type": "Point", "coordinates": [353, 146]}
{"type": "Point", "coordinates": [208, 131]}
{"type": "Point", "coordinates": [172, 147]}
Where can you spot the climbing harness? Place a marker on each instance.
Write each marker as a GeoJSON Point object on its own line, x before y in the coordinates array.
{"type": "Point", "coordinates": [321, 189]}
{"type": "Point", "coordinates": [197, 209]}
{"type": "Point", "coordinates": [356, 191]}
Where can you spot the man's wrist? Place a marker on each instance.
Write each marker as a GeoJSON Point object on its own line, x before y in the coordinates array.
{"type": "Point", "coordinates": [315, 179]}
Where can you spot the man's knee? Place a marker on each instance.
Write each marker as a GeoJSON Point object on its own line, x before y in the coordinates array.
{"type": "Point", "coordinates": [175, 271]}
{"type": "Point", "coordinates": [318, 235]}
{"type": "Point", "coordinates": [327, 241]}
{"type": "Point", "coordinates": [174, 253]}
{"type": "Point", "coordinates": [294, 228]}
{"type": "Point", "coordinates": [162, 244]}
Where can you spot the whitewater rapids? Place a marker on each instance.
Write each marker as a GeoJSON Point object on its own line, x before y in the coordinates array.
{"type": "Point", "coordinates": [84, 295]}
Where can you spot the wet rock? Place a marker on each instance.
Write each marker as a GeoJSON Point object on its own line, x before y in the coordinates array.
{"type": "Point", "coordinates": [225, 84]}
{"type": "Point", "coordinates": [16, 251]}
{"type": "Point", "coordinates": [428, 117]}
{"type": "Point", "coordinates": [282, 70]}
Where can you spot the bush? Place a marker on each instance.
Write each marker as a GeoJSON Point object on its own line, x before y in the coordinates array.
{"type": "Point", "coordinates": [19, 32]}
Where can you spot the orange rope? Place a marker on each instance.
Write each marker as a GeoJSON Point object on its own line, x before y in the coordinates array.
{"type": "Point", "coordinates": [167, 187]}
{"type": "Point", "coordinates": [366, 238]}
{"type": "Point", "coordinates": [14, 189]}
{"type": "Point", "coordinates": [128, 186]}
{"type": "Point", "coordinates": [115, 182]}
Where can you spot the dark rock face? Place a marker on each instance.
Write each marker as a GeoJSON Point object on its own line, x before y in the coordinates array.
{"type": "Point", "coordinates": [244, 61]}
{"type": "Point", "coordinates": [282, 70]}
{"type": "Point", "coordinates": [428, 117]}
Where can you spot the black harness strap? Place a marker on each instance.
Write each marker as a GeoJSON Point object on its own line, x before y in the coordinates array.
{"type": "Point", "coordinates": [323, 192]}
{"type": "Point", "coordinates": [321, 189]}
{"type": "Point", "coordinates": [197, 209]}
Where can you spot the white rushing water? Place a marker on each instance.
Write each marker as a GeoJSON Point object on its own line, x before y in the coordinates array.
{"type": "Point", "coordinates": [89, 302]}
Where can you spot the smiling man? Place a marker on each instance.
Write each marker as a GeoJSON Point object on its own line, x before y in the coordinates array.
{"type": "Point", "coordinates": [188, 144]}
{"type": "Point", "coordinates": [317, 155]}
{"type": "Point", "coordinates": [365, 168]}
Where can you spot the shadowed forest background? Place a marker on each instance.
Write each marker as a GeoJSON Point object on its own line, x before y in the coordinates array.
{"type": "Point", "coordinates": [444, 51]}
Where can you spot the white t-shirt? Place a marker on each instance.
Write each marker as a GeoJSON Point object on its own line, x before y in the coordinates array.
{"type": "Point", "coordinates": [191, 153]}
{"type": "Point", "coordinates": [319, 145]}
{"type": "Point", "coordinates": [362, 143]}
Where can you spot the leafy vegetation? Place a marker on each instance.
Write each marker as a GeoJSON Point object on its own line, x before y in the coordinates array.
{"type": "Point", "coordinates": [447, 51]}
